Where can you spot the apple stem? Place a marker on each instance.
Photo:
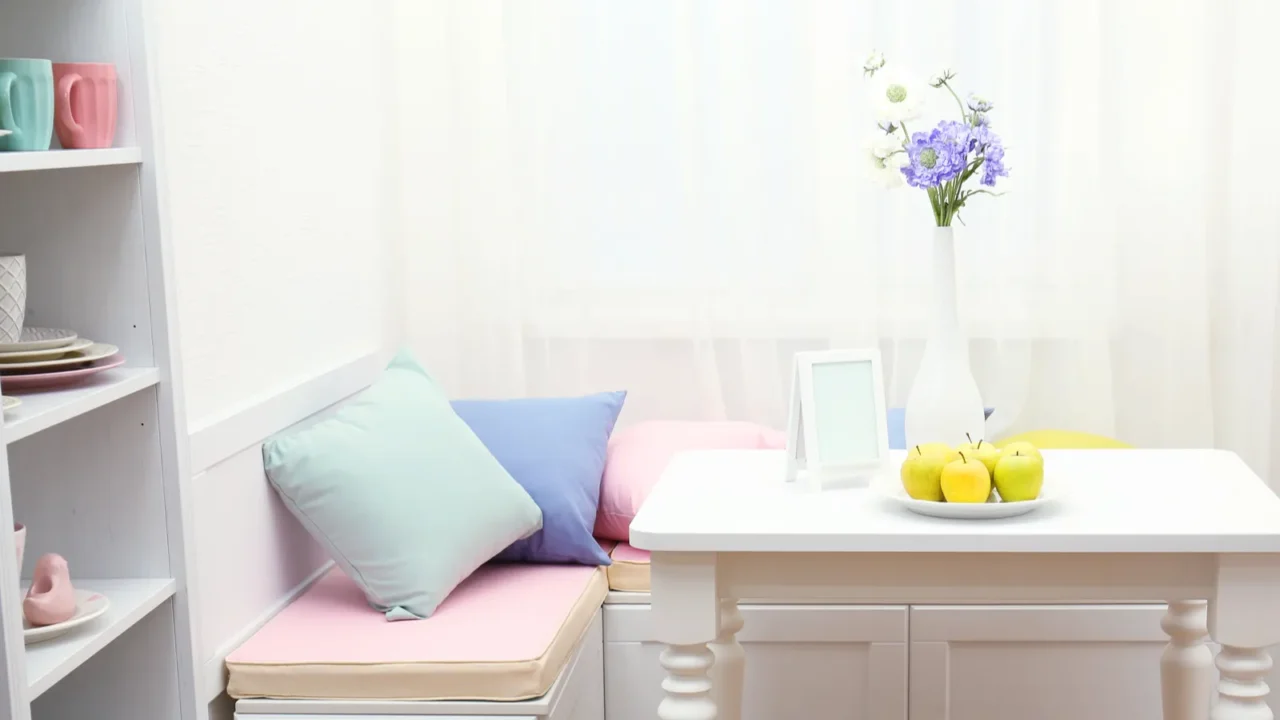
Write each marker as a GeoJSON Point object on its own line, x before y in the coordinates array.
{"type": "Point", "coordinates": [918, 450]}
{"type": "Point", "coordinates": [970, 438]}
{"type": "Point", "coordinates": [963, 458]}
{"type": "Point", "coordinates": [978, 445]}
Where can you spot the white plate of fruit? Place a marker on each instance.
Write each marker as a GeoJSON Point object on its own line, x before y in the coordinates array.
{"type": "Point", "coordinates": [975, 481]}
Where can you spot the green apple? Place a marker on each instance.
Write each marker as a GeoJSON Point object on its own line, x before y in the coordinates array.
{"type": "Point", "coordinates": [984, 452]}
{"type": "Point", "coordinates": [1019, 475]}
{"type": "Point", "coordinates": [922, 474]}
{"type": "Point", "coordinates": [966, 481]}
{"type": "Point", "coordinates": [1023, 447]}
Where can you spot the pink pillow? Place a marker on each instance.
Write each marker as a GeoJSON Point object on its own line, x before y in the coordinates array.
{"type": "Point", "coordinates": [637, 455]}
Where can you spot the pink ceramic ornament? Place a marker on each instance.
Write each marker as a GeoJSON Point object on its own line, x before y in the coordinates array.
{"type": "Point", "coordinates": [51, 598]}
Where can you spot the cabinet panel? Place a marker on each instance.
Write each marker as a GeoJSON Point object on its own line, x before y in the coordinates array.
{"type": "Point", "coordinates": [816, 662]}
{"type": "Point", "coordinates": [1048, 662]}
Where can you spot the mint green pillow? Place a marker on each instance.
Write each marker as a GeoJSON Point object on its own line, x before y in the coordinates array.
{"type": "Point", "coordinates": [403, 495]}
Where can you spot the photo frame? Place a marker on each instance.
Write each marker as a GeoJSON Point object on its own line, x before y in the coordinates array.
{"type": "Point", "coordinates": [837, 429]}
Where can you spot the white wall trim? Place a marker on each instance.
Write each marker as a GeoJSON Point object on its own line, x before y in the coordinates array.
{"type": "Point", "coordinates": [215, 668]}
{"type": "Point", "coordinates": [225, 436]}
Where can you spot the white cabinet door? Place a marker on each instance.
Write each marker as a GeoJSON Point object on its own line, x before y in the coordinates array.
{"type": "Point", "coordinates": [817, 662]}
{"type": "Point", "coordinates": [1049, 662]}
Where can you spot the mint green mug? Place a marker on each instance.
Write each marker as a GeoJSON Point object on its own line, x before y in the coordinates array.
{"type": "Point", "coordinates": [26, 103]}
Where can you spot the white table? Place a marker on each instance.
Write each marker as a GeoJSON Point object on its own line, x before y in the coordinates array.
{"type": "Point", "coordinates": [1195, 528]}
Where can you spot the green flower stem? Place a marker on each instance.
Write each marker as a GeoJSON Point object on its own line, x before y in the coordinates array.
{"type": "Point", "coordinates": [934, 202]}
{"type": "Point", "coordinates": [964, 115]}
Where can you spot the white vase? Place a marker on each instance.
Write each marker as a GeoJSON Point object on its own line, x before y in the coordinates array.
{"type": "Point", "coordinates": [13, 297]}
{"type": "Point", "coordinates": [944, 403]}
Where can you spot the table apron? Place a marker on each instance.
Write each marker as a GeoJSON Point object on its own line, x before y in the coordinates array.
{"type": "Point", "coordinates": [956, 578]}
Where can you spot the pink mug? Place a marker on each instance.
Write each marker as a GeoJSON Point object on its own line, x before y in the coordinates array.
{"type": "Point", "coordinates": [85, 104]}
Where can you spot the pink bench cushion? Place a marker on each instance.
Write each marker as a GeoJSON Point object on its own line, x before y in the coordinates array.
{"type": "Point", "coordinates": [630, 569]}
{"type": "Point", "coordinates": [625, 553]}
{"type": "Point", "coordinates": [637, 455]}
{"type": "Point", "coordinates": [504, 634]}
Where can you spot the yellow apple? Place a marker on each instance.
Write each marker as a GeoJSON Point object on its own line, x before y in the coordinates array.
{"type": "Point", "coordinates": [1021, 446]}
{"type": "Point", "coordinates": [1019, 475]}
{"type": "Point", "coordinates": [966, 481]}
{"type": "Point", "coordinates": [922, 475]}
{"type": "Point", "coordinates": [985, 452]}
{"type": "Point", "coordinates": [942, 449]}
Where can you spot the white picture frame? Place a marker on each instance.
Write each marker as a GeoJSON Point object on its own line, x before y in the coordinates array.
{"type": "Point", "coordinates": [837, 427]}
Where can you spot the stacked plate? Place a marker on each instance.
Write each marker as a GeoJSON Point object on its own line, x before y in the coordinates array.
{"type": "Point", "coordinates": [48, 358]}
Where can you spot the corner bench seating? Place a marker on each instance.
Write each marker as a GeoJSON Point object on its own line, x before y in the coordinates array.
{"type": "Point", "coordinates": [506, 642]}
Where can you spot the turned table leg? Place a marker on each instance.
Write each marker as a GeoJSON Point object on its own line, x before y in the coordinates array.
{"type": "Point", "coordinates": [730, 662]}
{"type": "Point", "coordinates": [685, 608]}
{"type": "Point", "coordinates": [1186, 667]}
{"type": "Point", "coordinates": [687, 686]}
{"type": "Point", "coordinates": [1244, 618]}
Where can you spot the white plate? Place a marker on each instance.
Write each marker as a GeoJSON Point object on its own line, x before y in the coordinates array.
{"type": "Point", "coordinates": [96, 351]}
{"type": "Point", "coordinates": [89, 606]}
{"type": "Point", "coordinates": [892, 489]}
{"type": "Point", "coordinates": [10, 402]}
{"type": "Point", "coordinates": [45, 354]}
{"type": "Point", "coordinates": [35, 338]}
{"type": "Point", "coordinates": [974, 511]}
{"type": "Point", "coordinates": [5, 132]}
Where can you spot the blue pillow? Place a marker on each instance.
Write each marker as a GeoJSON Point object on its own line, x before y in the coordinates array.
{"type": "Point", "coordinates": [555, 448]}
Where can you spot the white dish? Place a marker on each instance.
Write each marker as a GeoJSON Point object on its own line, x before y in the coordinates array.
{"type": "Point", "coordinates": [89, 606]}
{"type": "Point", "coordinates": [45, 354]}
{"type": "Point", "coordinates": [36, 338]}
{"type": "Point", "coordinates": [10, 402]}
{"type": "Point", "coordinates": [5, 132]}
{"type": "Point", "coordinates": [96, 351]}
{"type": "Point", "coordinates": [891, 488]}
{"type": "Point", "coordinates": [974, 511]}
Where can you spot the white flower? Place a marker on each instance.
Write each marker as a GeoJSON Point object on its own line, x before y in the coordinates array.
{"type": "Point", "coordinates": [896, 97]}
{"type": "Point", "coordinates": [979, 104]}
{"type": "Point", "coordinates": [938, 80]}
{"type": "Point", "coordinates": [886, 158]}
{"type": "Point", "coordinates": [874, 62]}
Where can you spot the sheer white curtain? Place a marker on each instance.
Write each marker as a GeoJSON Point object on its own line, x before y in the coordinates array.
{"type": "Point", "coordinates": [668, 197]}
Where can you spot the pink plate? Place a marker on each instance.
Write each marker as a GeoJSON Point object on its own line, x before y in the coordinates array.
{"type": "Point", "coordinates": [41, 381]}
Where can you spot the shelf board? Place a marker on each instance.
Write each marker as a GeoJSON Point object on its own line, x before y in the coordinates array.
{"type": "Point", "coordinates": [41, 410]}
{"type": "Point", "coordinates": [131, 600]}
{"type": "Point", "coordinates": [54, 159]}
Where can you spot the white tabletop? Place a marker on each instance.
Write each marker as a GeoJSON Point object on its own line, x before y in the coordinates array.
{"type": "Point", "coordinates": [1175, 501]}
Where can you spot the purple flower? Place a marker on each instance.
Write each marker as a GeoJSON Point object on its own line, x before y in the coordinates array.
{"type": "Point", "coordinates": [989, 146]}
{"type": "Point", "coordinates": [937, 156]}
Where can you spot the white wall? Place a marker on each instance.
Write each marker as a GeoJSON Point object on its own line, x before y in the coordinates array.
{"type": "Point", "coordinates": [278, 128]}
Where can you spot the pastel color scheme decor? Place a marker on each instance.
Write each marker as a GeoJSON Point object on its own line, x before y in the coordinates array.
{"type": "Point", "coordinates": [51, 599]}
{"type": "Point", "coordinates": [1066, 440]}
{"type": "Point", "coordinates": [85, 104]}
{"type": "Point", "coordinates": [401, 492]}
{"type": "Point", "coordinates": [26, 103]}
{"type": "Point", "coordinates": [555, 448]}
{"type": "Point", "coordinates": [638, 454]}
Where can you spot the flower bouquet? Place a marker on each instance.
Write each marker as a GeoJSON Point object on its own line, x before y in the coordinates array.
{"type": "Point", "coordinates": [942, 160]}
{"type": "Point", "coordinates": [944, 404]}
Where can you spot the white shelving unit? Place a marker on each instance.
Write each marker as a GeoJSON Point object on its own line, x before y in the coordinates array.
{"type": "Point", "coordinates": [57, 159]}
{"type": "Point", "coordinates": [96, 471]}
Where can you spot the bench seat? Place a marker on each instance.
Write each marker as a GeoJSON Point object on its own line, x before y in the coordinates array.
{"type": "Point", "coordinates": [505, 634]}
{"type": "Point", "coordinates": [630, 569]}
